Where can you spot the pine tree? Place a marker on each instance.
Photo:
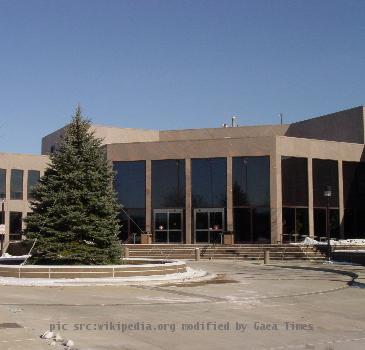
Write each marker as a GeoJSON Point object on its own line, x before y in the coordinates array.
{"type": "Point", "coordinates": [75, 211]}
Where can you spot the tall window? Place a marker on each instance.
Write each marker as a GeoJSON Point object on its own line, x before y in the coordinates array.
{"type": "Point", "coordinates": [354, 199]}
{"type": "Point", "coordinates": [251, 199]}
{"type": "Point", "coordinates": [2, 183]}
{"type": "Point", "coordinates": [130, 185]}
{"type": "Point", "coordinates": [15, 227]}
{"type": "Point", "coordinates": [168, 184]}
{"type": "Point", "coordinates": [33, 179]}
{"type": "Point", "coordinates": [325, 173]}
{"type": "Point", "coordinates": [209, 182]}
{"type": "Point", "coordinates": [294, 182]}
{"type": "Point", "coordinates": [16, 184]}
{"type": "Point", "coordinates": [294, 176]}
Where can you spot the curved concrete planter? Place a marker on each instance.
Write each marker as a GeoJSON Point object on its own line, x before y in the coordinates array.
{"type": "Point", "coordinates": [134, 267]}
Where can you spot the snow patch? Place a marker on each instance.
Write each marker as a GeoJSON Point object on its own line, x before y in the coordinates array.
{"type": "Point", "coordinates": [311, 241]}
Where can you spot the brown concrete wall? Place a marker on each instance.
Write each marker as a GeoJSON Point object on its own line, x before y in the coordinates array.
{"type": "Point", "coordinates": [219, 133]}
{"type": "Point", "coordinates": [108, 134]}
{"type": "Point", "coordinates": [275, 147]}
{"type": "Point", "coordinates": [297, 147]}
{"type": "Point", "coordinates": [254, 146]}
{"type": "Point", "coordinates": [23, 162]}
{"type": "Point", "coordinates": [343, 126]}
{"type": "Point", "coordinates": [228, 147]}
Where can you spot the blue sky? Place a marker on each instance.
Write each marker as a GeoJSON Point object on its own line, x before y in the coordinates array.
{"type": "Point", "coordinates": [175, 64]}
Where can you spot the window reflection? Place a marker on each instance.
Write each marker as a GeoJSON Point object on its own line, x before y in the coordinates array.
{"type": "Point", "coordinates": [354, 199]}
{"type": "Point", "coordinates": [16, 184]}
{"type": "Point", "coordinates": [130, 185]}
{"type": "Point", "coordinates": [325, 173]}
{"type": "Point", "coordinates": [2, 183]}
{"type": "Point", "coordinates": [33, 179]}
{"type": "Point", "coordinates": [251, 199]}
{"type": "Point", "coordinates": [251, 181]}
{"type": "Point", "coordinates": [168, 184]}
{"type": "Point", "coordinates": [294, 176]}
{"type": "Point", "coordinates": [15, 228]}
{"type": "Point", "coordinates": [209, 182]}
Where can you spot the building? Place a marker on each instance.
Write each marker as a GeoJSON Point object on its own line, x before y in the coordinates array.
{"type": "Point", "coordinates": [18, 174]}
{"type": "Point", "coordinates": [260, 183]}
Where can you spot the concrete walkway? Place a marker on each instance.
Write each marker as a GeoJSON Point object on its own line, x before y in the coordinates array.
{"type": "Point", "coordinates": [291, 305]}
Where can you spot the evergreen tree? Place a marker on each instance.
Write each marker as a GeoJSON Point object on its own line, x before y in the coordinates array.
{"type": "Point", "coordinates": [75, 210]}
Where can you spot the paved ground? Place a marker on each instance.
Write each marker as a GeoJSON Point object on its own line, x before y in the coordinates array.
{"type": "Point", "coordinates": [249, 306]}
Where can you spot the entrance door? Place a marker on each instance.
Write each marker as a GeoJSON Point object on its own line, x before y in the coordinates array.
{"type": "Point", "coordinates": [209, 225]}
{"type": "Point", "coordinates": [168, 225]}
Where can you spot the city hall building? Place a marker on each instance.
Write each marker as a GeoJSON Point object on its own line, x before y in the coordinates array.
{"type": "Point", "coordinates": [253, 184]}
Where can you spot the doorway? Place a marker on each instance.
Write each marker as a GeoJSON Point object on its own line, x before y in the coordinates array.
{"type": "Point", "coordinates": [168, 225]}
{"type": "Point", "coordinates": [209, 225]}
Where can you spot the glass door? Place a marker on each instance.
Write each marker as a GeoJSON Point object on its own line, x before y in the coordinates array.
{"type": "Point", "coordinates": [168, 225]}
{"type": "Point", "coordinates": [209, 225]}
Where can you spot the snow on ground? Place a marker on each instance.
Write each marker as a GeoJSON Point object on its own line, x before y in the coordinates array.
{"type": "Point", "coordinates": [362, 251]}
{"type": "Point", "coordinates": [311, 241]}
{"type": "Point", "coordinates": [188, 276]}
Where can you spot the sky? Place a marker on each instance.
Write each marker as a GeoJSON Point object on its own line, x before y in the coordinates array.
{"type": "Point", "coordinates": [171, 64]}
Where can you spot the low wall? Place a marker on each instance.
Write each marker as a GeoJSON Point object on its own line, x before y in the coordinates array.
{"type": "Point", "coordinates": [133, 267]}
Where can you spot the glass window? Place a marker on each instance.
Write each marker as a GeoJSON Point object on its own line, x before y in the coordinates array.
{"type": "Point", "coordinates": [15, 225]}
{"type": "Point", "coordinates": [168, 184]}
{"type": "Point", "coordinates": [335, 223]}
{"type": "Point", "coordinates": [252, 225]}
{"type": "Point", "coordinates": [2, 213]}
{"type": "Point", "coordinates": [242, 224]}
{"type": "Point", "coordinates": [354, 219]}
{"type": "Point", "coordinates": [294, 176]}
{"type": "Point", "coordinates": [354, 184]}
{"type": "Point", "coordinates": [33, 179]}
{"type": "Point", "coordinates": [251, 181]}
{"type": "Point", "coordinates": [325, 173]}
{"type": "Point", "coordinates": [16, 184]}
{"type": "Point", "coordinates": [261, 225]}
{"type": "Point", "coordinates": [209, 182]}
{"type": "Point", "coordinates": [319, 222]}
{"type": "Point", "coordinates": [295, 224]}
{"type": "Point", "coordinates": [2, 183]}
{"type": "Point", "coordinates": [132, 222]}
{"type": "Point", "coordinates": [130, 183]}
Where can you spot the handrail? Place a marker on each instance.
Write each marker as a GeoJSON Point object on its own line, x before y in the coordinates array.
{"type": "Point", "coordinates": [209, 245]}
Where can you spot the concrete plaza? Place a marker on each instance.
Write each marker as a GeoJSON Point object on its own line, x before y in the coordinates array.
{"type": "Point", "coordinates": [291, 305]}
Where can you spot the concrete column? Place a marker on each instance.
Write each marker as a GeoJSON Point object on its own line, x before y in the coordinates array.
{"type": "Point", "coordinates": [7, 214]}
{"type": "Point", "coordinates": [7, 223]}
{"type": "Point", "coordinates": [148, 196]}
{"type": "Point", "coordinates": [25, 185]}
{"type": "Point", "coordinates": [275, 197]}
{"type": "Point", "coordinates": [341, 200]}
{"type": "Point", "coordinates": [230, 227]}
{"type": "Point", "coordinates": [310, 198]}
{"type": "Point", "coordinates": [25, 196]}
{"type": "Point", "coordinates": [188, 220]}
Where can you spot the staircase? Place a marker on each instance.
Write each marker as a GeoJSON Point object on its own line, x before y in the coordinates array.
{"type": "Point", "coordinates": [218, 251]}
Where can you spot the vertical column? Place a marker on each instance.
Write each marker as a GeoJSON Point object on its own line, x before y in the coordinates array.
{"type": "Point", "coordinates": [341, 200]}
{"type": "Point", "coordinates": [275, 198]}
{"type": "Point", "coordinates": [7, 206]}
{"type": "Point", "coordinates": [148, 196]}
{"type": "Point", "coordinates": [310, 198]}
{"type": "Point", "coordinates": [188, 230]}
{"type": "Point", "coordinates": [25, 196]}
{"type": "Point", "coordinates": [230, 227]}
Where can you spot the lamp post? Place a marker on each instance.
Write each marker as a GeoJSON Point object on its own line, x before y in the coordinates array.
{"type": "Point", "coordinates": [328, 194]}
